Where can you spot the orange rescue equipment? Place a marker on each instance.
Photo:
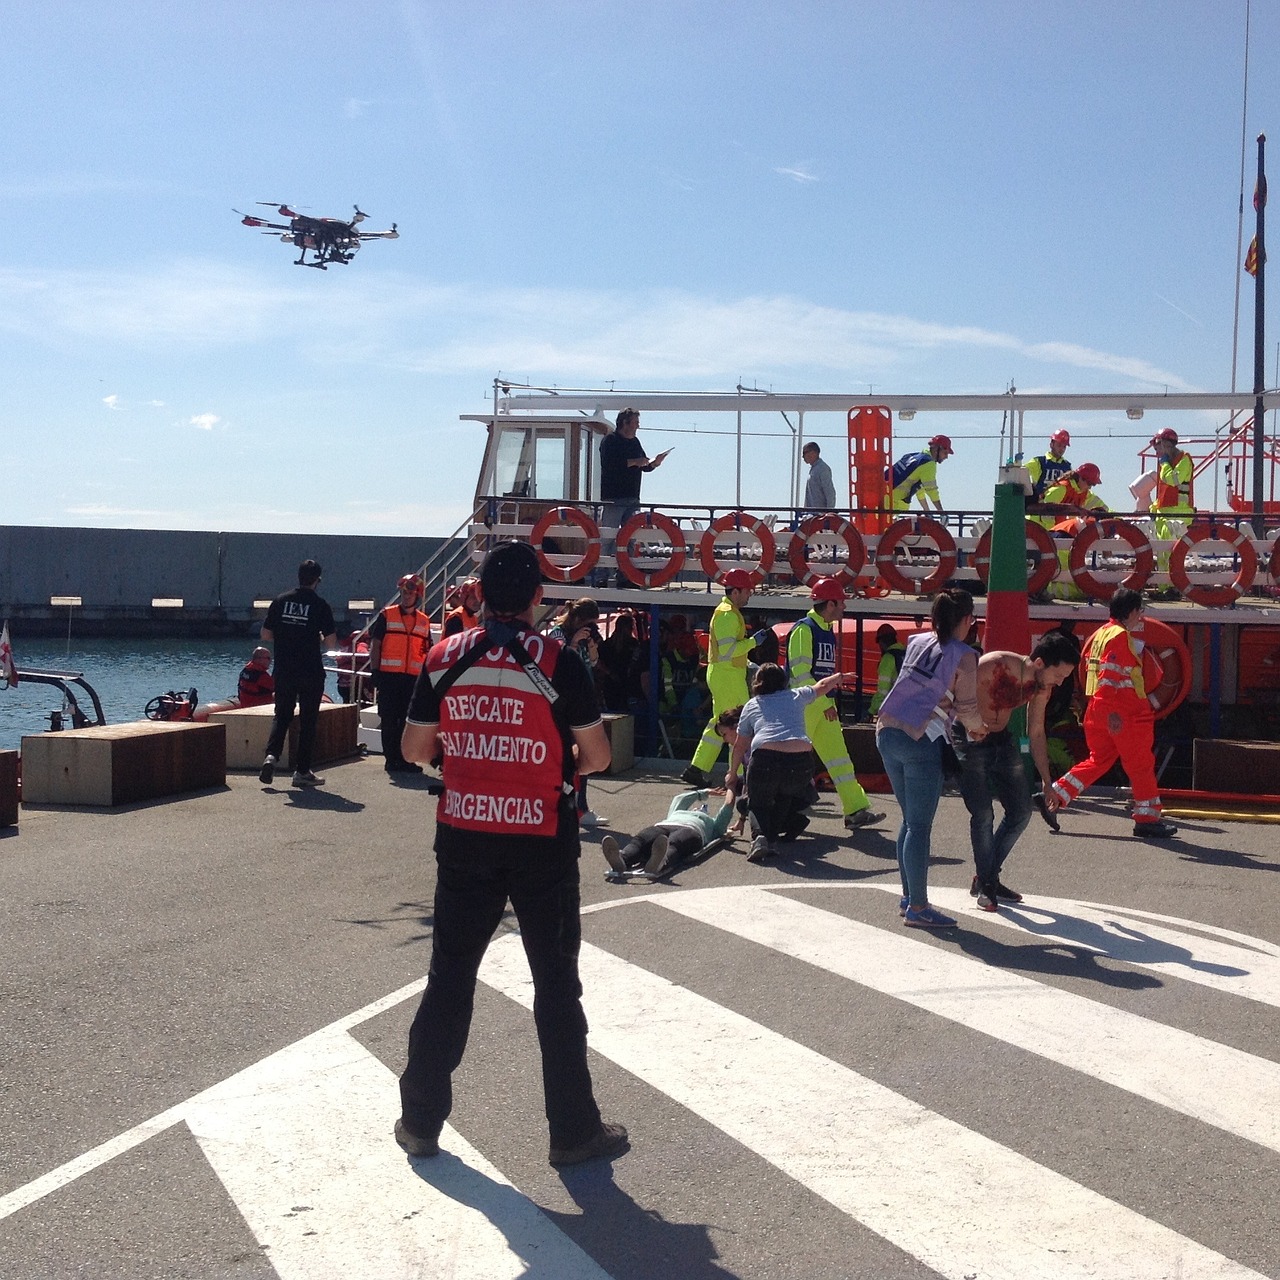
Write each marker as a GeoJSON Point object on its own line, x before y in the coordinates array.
{"type": "Point", "coordinates": [1084, 542]}
{"type": "Point", "coordinates": [1169, 647]}
{"type": "Point", "coordinates": [870, 455]}
{"type": "Point", "coordinates": [855, 551]}
{"type": "Point", "coordinates": [407, 639]}
{"type": "Point", "coordinates": [915, 527]}
{"type": "Point", "coordinates": [559, 517]}
{"type": "Point", "coordinates": [627, 565]}
{"type": "Point", "coordinates": [736, 521]}
{"type": "Point", "coordinates": [1218, 594]}
{"type": "Point", "coordinates": [1046, 554]}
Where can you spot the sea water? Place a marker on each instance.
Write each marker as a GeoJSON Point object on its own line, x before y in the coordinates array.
{"type": "Point", "coordinates": [126, 675]}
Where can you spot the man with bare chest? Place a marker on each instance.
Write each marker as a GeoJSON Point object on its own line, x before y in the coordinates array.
{"type": "Point", "coordinates": [992, 769]}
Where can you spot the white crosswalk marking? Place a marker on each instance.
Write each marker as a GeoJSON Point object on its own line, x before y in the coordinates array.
{"type": "Point", "coordinates": [961, 1203]}
{"type": "Point", "coordinates": [302, 1142]}
{"type": "Point", "coordinates": [1164, 1064]}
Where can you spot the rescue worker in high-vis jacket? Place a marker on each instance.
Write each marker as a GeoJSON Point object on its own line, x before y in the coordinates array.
{"type": "Point", "coordinates": [811, 657]}
{"type": "Point", "coordinates": [727, 649]}
{"type": "Point", "coordinates": [462, 608]}
{"type": "Point", "coordinates": [1046, 469]}
{"type": "Point", "coordinates": [1121, 675]}
{"type": "Point", "coordinates": [398, 642]}
{"type": "Point", "coordinates": [1075, 489]}
{"type": "Point", "coordinates": [915, 475]}
{"type": "Point", "coordinates": [1173, 502]}
{"type": "Point", "coordinates": [892, 652]}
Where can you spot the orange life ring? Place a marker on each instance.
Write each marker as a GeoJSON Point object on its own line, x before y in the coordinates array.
{"type": "Point", "coordinates": [650, 520]}
{"type": "Point", "coordinates": [856, 552]}
{"type": "Point", "coordinates": [1273, 562]}
{"type": "Point", "coordinates": [1046, 557]}
{"type": "Point", "coordinates": [915, 527]}
{"type": "Point", "coordinates": [1167, 645]}
{"type": "Point", "coordinates": [591, 531]}
{"type": "Point", "coordinates": [735, 521]}
{"type": "Point", "coordinates": [1218, 594]}
{"type": "Point", "coordinates": [1143, 557]}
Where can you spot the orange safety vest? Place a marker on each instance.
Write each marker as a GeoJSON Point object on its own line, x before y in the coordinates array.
{"type": "Point", "coordinates": [1173, 485]}
{"type": "Point", "coordinates": [507, 766]}
{"type": "Point", "coordinates": [1115, 671]}
{"type": "Point", "coordinates": [405, 645]}
{"type": "Point", "coordinates": [459, 619]}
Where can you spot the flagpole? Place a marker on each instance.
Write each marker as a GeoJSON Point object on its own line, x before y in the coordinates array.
{"type": "Point", "coordinates": [1259, 339]}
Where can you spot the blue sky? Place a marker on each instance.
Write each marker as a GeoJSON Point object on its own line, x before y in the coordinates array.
{"type": "Point", "coordinates": [913, 197]}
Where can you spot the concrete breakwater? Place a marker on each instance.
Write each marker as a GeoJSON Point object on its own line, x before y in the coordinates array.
{"type": "Point", "coordinates": [142, 582]}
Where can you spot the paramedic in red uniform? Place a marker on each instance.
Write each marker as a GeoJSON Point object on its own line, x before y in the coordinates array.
{"type": "Point", "coordinates": [1119, 723]}
{"type": "Point", "coordinates": [509, 709]}
{"type": "Point", "coordinates": [398, 642]}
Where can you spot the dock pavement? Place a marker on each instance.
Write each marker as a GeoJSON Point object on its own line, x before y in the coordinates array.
{"type": "Point", "coordinates": [205, 1004]}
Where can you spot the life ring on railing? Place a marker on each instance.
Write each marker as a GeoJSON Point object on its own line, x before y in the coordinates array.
{"type": "Point", "coordinates": [1143, 557]}
{"type": "Point", "coordinates": [591, 531]}
{"type": "Point", "coordinates": [1046, 557]}
{"type": "Point", "coordinates": [738, 521]}
{"type": "Point", "coordinates": [675, 535]}
{"type": "Point", "coordinates": [1273, 562]}
{"type": "Point", "coordinates": [856, 551]}
{"type": "Point", "coordinates": [915, 527]}
{"type": "Point", "coordinates": [1168, 646]}
{"type": "Point", "coordinates": [1219, 594]}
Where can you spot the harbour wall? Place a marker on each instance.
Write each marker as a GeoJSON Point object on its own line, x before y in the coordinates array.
{"type": "Point", "coordinates": [210, 583]}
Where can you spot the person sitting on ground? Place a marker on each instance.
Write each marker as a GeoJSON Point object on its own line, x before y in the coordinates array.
{"type": "Point", "coordinates": [772, 727]}
{"type": "Point", "coordinates": [687, 829]}
{"type": "Point", "coordinates": [257, 685]}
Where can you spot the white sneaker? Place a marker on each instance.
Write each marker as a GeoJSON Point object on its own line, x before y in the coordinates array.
{"type": "Point", "coordinates": [591, 819]}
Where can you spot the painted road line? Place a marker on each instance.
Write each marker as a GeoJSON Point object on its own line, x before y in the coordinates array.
{"type": "Point", "coordinates": [1235, 1091]}
{"type": "Point", "coordinates": [1234, 963]}
{"type": "Point", "coordinates": [959, 1202]}
{"type": "Point", "coordinates": [302, 1142]}
{"type": "Point", "coordinates": [97, 1156]}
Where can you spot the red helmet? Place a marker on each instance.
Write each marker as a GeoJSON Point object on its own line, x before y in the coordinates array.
{"type": "Point", "coordinates": [1168, 434]}
{"type": "Point", "coordinates": [472, 593]}
{"type": "Point", "coordinates": [1061, 436]}
{"type": "Point", "coordinates": [944, 441]}
{"type": "Point", "coordinates": [411, 582]}
{"type": "Point", "coordinates": [1089, 473]}
{"type": "Point", "coordinates": [825, 589]}
{"type": "Point", "coordinates": [737, 580]}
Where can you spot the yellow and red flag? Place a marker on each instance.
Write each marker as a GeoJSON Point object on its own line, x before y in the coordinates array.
{"type": "Point", "coordinates": [1251, 262]}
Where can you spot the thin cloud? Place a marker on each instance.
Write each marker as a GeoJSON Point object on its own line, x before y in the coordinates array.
{"type": "Point", "coordinates": [205, 421]}
{"type": "Point", "coordinates": [354, 108]}
{"type": "Point", "coordinates": [112, 402]}
{"type": "Point", "coordinates": [798, 173]}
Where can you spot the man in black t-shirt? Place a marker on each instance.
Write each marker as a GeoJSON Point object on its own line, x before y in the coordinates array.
{"type": "Point", "coordinates": [622, 459]}
{"type": "Point", "coordinates": [300, 625]}
{"type": "Point", "coordinates": [508, 710]}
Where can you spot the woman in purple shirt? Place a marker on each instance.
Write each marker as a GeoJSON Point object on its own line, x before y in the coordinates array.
{"type": "Point", "coordinates": [937, 685]}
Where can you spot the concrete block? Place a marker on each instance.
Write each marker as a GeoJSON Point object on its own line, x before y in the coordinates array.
{"type": "Point", "coordinates": [1238, 768]}
{"type": "Point", "coordinates": [118, 764]}
{"type": "Point", "coordinates": [248, 729]}
{"type": "Point", "coordinates": [621, 730]}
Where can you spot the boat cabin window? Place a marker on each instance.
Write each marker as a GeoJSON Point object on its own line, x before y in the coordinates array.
{"type": "Point", "coordinates": [556, 462]}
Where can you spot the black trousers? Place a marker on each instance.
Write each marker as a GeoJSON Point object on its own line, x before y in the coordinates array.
{"type": "Point", "coordinates": [303, 695]}
{"type": "Point", "coordinates": [394, 694]}
{"type": "Point", "coordinates": [778, 787]}
{"type": "Point", "coordinates": [682, 843]}
{"type": "Point", "coordinates": [469, 903]}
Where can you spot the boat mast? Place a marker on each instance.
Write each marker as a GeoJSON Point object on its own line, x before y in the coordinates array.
{"type": "Point", "coordinates": [1259, 337]}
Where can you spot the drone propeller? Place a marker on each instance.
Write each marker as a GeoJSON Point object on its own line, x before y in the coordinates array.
{"type": "Point", "coordinates": [283, 209]}
{"type": "Point", "coordinates": [360, 217]}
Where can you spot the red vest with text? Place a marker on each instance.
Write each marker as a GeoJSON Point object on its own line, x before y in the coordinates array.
{"type": "Point", "coordinates": [406, 642]}
{"type": "Point", "coordinates": [504, 754]}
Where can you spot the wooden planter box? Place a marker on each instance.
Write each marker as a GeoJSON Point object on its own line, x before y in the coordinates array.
{"type": "Point", "coordinates": [248, 729]}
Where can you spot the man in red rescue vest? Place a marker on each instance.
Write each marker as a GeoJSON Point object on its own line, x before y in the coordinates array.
{"type": "Point", "coordinates": [1121, 673]}
{"type": "Point", "coordinates": [509, 709]}
{"type": "Point", "coordinates": [398, 642]}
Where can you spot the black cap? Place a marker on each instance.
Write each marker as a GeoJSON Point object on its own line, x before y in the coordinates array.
{"type": "Point", "coordinates": [510, 578]}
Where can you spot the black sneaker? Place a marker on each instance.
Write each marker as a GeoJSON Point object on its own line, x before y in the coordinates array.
{"type": "Point", "coordinates": [694, 777]}
{"type": "Point", "coordinates": [1049, 815]}
{"type": "Point", "coordinates": [1161, 830]}
{"type": "Point", "coordinates": [760, 850]}
{"type": "Point", "coordinates": [268, 771]}
{"type": "Point", "coordinates": [307, 779]}
{"type": "Point", "coordinates": [1009, 895]}
{"type": "Point", "coordinates": [794, 828]}
{"type": "Point", "coordinates": [987, 899]}
{"type": "Point", "coordinates": [609, 1141]}
{"type": "Point", "coordinates": [415, 1145]}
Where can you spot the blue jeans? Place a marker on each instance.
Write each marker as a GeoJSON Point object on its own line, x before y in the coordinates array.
{"type": "Point", "coordinates": [915, 774]}
{"type": "Point", "coordinates": [992, 769]}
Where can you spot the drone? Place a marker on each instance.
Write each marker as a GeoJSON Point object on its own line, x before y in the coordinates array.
{"type": "Point", "coordinates": [327, 239]}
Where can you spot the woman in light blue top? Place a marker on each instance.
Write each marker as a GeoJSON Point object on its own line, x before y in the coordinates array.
{"type": "Point", "coordinates": [937, 685]}
{"type": "Point", "coordinates": [781, 771]}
